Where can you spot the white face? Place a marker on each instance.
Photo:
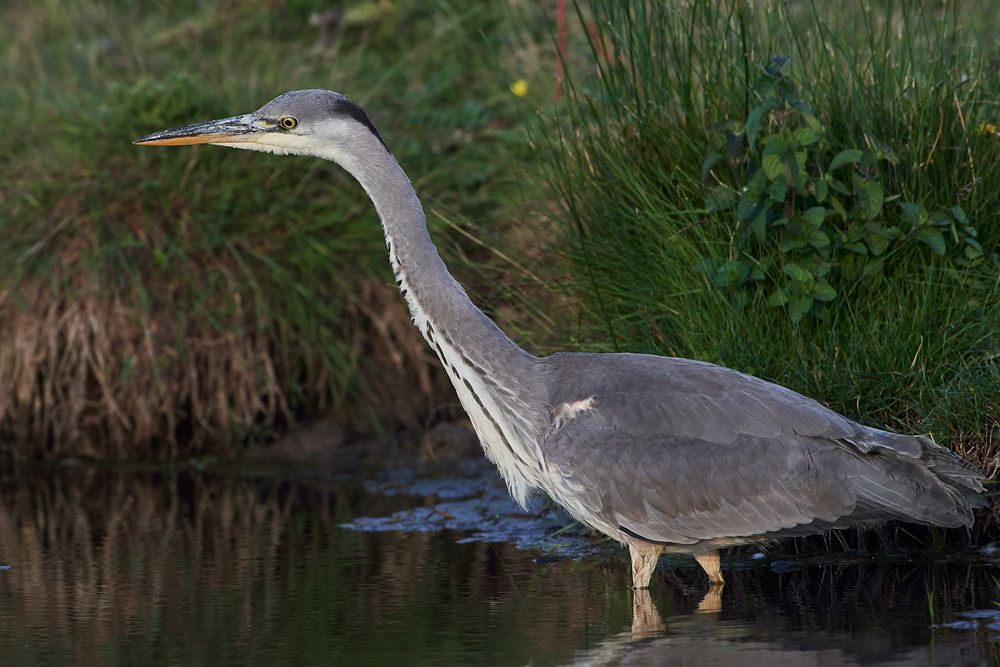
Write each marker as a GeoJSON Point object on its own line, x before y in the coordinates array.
{"type": "Point", "coordinates": [319, 138]}
{"type": "Point", "coordinates": [305, 122]}
{"type": "Point", "coordinates": [317, 123]}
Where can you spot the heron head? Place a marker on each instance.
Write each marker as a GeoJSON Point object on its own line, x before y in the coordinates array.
{"type": "Point", "coordinates": [302, 122]}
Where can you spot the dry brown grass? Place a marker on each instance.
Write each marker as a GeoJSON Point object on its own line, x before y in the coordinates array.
{"type": "Point", "coordinates": [92, 376]}
{"type": "Point", "coordinates": [104, 353]}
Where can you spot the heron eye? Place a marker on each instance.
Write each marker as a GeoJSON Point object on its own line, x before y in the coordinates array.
{"type": "Point", "coordinates": [288, 123]}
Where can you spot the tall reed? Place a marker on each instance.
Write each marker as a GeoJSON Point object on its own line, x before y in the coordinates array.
{"type": "Point", "coordinates": [917, 351]}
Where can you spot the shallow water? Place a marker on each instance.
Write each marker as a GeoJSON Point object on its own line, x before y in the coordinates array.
{"type": "Point", "coordinates": [154, 568]}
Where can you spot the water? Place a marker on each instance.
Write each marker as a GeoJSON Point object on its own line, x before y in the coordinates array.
{"type": "Point", "coordinates": [112, 567]}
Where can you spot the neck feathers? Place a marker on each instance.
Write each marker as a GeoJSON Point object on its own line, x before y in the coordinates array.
{"type": "Point", "coordinates": [497, 382]}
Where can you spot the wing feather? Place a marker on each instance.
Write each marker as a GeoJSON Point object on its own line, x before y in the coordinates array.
{"type": "Point", "coordinates": [679, 451]}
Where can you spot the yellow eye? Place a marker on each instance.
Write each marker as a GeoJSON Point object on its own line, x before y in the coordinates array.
{"type": "Point", "coordinates": [288, 123]}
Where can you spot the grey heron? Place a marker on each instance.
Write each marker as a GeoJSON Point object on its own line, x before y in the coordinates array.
{"type": "Point", "coordinates": [661, 454]}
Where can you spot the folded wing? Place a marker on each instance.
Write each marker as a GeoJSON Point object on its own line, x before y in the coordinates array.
{"type": "Point", "coordinates": [681, 452]}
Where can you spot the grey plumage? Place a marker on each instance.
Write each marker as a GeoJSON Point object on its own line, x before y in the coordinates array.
{"type": "Point", "coordinates": [730, 458]}
{"type": "Point", "coordinates": [658, 453]}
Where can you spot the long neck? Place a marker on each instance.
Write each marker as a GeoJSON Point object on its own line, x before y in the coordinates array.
{"type": "Point", "coordinates": [497, 382]}
{"type": "Point", "coordinates": [438, 305]}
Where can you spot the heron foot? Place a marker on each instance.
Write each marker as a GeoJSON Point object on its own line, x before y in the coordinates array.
{"type": "Point", "coordinates": [710, 563]}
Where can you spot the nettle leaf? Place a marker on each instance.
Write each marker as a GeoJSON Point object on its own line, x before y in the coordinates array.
{"type": "Point", "coordinates": [716, 139]}
{"type": "Point", "coordinates": [756, 273]}
{"type": "Point", "coordinates": [753, 120]}
{"type": "Point", "coordinates": [878, 237]}
{"type": "Point", "coordinates": [732, 143]}
{"type": "Point", "coordinates": [933, 238]}
{"type": "Point", "coordinates": [806, 136]}
{"type": "Point", "coordinates": [913, 213]}
{"type": "Point", "coordinates": [720, 199]}
{"type": "Point", "coordinates": [959, 215]}
{"type": "Point", "coordinates": [799, 106]}
{"type": "Point", "coordinates": [822, 187]}
{"type": "Point", "coordinates": [868, 158]}
{"type": "Point", "coordinates": [781, 67]}
{"type": "Point", "coordinates": [733, 272]}
{"type": "Point", "coordinates": [845, 157]}
{"type": "Point", "coordinates": [838, 186]}
{"type": "Point", "coordinates": [815, 216]}
{"type": "Point", "coordinates": [797, 272]}
{"type": "Point", "coordinates": [777, 191]}
{"type": "Point", "coordinates": [709, 163]}
{"type": "Point", "coordinates": [776, 145]}
{"type": "Point", "coordinates": [891, 233]}
{"type": "Point", "coordinates": [791, 242]}
{"type": "Point", "coordinates": [939, 219]}
{"type": "Point", "coordinates": [798, 167]}
{"type": "Point", "coordinates": [824, 291]}
{"type": "Point", "coordinates": [764, 84]}
{"type": "Point", "coordinates": [798, 306]}
{"type": "Point", "coordinates": [814, 124]}
{"type": "Point", "coordinates": [887, 153]}
{"type": "Point", "coordinates": [750, 204]}
{"type": "Point", "coordinates": [759, 225]}
{"type": "Point", "coordinates": [838, 207]}
{"type": "Point", "coordinates": [800, 158]}
{"type": "Point", "coordinates": [870, 195]}
{"type": "Point", "coordinates": [779, 298]}
{"type": "Point", "coordinates": [774, 166]}
{"type": "Point", "coordinates": [818, 238]}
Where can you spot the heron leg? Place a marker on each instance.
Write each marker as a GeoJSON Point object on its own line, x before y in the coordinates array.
{"type": "Point", "coordinates": [644, 556]}
{"type": "Point", "coordinates": [710, 563]}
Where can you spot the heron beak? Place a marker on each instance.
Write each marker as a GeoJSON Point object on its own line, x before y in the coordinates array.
{"type": "Point", "coordinates": [238, 129]}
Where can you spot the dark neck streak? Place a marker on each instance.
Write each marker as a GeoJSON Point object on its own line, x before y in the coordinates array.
{"type": "Point", "coordinates": [429, 286]}
{"type": "Point", "coordinates": [448, 319]}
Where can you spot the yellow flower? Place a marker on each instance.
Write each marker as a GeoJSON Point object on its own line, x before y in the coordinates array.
{"type": "Point", "coordinates": [983, 128]}
{"type": "Point", "coordinates": [519, 87]}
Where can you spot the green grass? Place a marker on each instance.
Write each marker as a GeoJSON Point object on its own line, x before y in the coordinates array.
{"type": "Point", "coordinates": [171, 302]}
{"type": "Point", "coordinates": [225, 289]}
{"type": "Point", "coordinates": [918, 350]}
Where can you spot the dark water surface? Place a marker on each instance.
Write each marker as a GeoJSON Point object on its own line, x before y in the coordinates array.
{"type": "Point", "coordinates": [106, 567]}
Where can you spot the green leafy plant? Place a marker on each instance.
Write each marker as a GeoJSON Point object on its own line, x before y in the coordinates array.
{"type": "Point", "coordinates": [810, 222]}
